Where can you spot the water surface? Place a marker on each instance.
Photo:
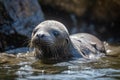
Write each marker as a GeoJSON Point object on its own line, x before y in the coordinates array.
{"type": "Point", "coordinates": [106, 68]}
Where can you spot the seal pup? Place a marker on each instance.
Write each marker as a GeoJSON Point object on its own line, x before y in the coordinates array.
{"type": "Point", "coordinates": [51, 42]}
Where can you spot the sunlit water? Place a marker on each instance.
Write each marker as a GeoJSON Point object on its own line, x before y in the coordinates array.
{"type": "Point", "coordinates": [106, 68]}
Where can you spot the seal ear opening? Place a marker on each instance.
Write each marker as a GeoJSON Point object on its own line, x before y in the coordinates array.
{"type": "Point", "coordinates": [67, 41]}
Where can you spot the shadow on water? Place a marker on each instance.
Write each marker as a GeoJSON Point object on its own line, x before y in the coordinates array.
{"type": "Point", "coordinates": [26, 67]}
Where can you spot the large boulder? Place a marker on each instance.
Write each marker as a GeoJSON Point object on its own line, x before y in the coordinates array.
{"type": "Point", "coordinates": [17, 20]}
{"type": "Point", "coordinates": [23, 16]}
{"type": "Point", "coordinates": [98, 9]}
{"type": "Point", "coordinates": [78, 7]}
{"type": "Point", "coordinates": [107, 10]}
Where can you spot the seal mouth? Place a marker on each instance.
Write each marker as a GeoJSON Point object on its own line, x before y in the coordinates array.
{"type": "Point", "coordinates": [49, 51]}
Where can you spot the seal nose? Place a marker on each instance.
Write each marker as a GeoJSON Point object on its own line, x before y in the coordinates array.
{"type": "Point", "coordinates": [40, 35]}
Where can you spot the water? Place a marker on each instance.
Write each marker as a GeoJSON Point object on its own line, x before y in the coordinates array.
{"type": "Point", "coordinates": [106, 68]}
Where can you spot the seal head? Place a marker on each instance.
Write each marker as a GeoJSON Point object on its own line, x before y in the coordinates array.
{"type": "Point", "coordinates": [51, 41]}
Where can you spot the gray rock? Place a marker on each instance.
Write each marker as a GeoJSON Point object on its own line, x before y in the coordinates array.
{"type": "Point", "coordinates": [24, 15]}
{"type": "Point", "coordinates": [19, 50]}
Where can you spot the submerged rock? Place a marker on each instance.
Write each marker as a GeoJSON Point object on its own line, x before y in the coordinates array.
{"type": "Point", "coordinates": [19, 50]}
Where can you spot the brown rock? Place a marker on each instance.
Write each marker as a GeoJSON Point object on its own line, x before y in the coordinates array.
{"type": "Point", "coordinates": [107, 9]}
{"type": "Point", "coordinates": [74, 6]}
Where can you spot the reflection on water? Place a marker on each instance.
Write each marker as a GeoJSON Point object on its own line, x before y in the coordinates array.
{"type": "Point", "coordinates": [106, 68]}
{"type": "Point", "coordinates": [93, 74]}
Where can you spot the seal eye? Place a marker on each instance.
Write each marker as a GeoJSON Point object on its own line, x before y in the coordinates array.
{"type": "Point", "coordinates": [55, 33]}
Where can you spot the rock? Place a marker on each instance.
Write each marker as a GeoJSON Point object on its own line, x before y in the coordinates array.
{"type": "Point", "coordinates": [74, 6]}
{"type": "Point", "coordinates": [17, 20]}
{"type": "Point", "coordinates": [112, 49]}
{"type": "Point", "coordinates": [107, 10]}
{"type": "Point", "coordinates": [23, 16]}
{"type": "Point", "coordinates": [98, 9]}
{"type": "Point", "coordinates": [19, 50]}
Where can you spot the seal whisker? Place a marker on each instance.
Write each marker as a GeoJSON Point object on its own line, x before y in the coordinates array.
{"type": "Point", "coordinates": [55, 53]}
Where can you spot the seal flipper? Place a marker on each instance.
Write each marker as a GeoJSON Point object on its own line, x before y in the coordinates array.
{"type": "Point", "coordinates": [87, 50]}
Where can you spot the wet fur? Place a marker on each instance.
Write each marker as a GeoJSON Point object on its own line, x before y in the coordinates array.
{"type": "Point", "coordinates": [63, 47]}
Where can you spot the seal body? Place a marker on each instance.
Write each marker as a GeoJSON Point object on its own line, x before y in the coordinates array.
{"type": "Point", "coordinates": [87, 45]}
{"type": "Point", "coordinates": [52, 42]}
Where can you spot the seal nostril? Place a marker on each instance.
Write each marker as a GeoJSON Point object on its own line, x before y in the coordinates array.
{"type": "Point", "coordinates": [37, 35]}
{"type": "Point", "coordinates": [40, 35]}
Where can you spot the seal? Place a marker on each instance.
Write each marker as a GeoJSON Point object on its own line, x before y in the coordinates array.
{"type": "Point", "coordinates": [51, 42]}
